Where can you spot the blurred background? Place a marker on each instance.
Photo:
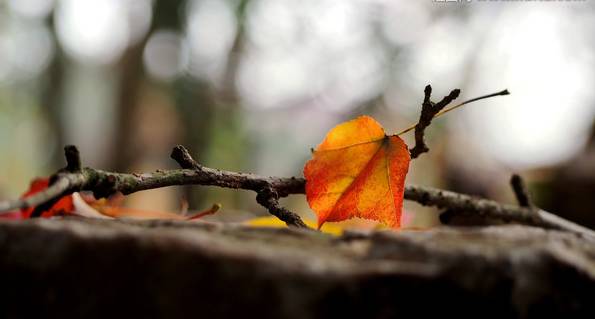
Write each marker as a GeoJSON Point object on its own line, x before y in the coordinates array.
{"type": "Point", "coordinates": [252, 85]}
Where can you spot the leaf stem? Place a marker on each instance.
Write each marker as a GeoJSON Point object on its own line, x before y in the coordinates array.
{"type": "Point", "coordinates": [448, 109]}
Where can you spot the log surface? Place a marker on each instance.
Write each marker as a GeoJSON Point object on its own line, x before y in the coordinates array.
{"type": "Point", "coordinates": [90, 268]}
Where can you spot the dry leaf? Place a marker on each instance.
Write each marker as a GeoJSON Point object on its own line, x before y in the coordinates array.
{"type": "Point", "coordinates": [358, 171]}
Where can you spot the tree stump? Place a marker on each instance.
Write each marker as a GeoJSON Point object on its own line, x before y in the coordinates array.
{"type": "Point", "coordinates": [88, 268]}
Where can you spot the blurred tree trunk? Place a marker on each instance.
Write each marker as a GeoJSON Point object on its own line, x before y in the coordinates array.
{"type": "Point", "coordinates": [53, 98]}
{"type": "Point", "coordinates": [196, 106]}
{"type": "Point", "coordinates": [207, 111]}
{"type": "Point", "coordinates": [165, 16]}
{"type": "Point", "coordinates": [132, 74]}
{"type": "Point", "coordinates": [200, 104]}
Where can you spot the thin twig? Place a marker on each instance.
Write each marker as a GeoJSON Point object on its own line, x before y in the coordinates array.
{"type": "Point", "coordinates": [181, 155]}
{"type": "Point", "coordinates": [520, 191]}
{"type": "Point", "coordinates": [265, 188]}
{"type": "Point", "coordinates": [73, 158]}
{"type": "Point", "coordinates": [60, 186]}
{"type": "Point", "coordinates": [103, 184]}
{"type": "Point", "coordinates": [450, 108]}
{"type": "Point", "coordinates": [428, 111]}
{"type": "Point", "coordinates": [270, 189]}
{"type": "Point", "coordinates": [458, 203]}
{"type": "Point", "coordinates": [269, 198]}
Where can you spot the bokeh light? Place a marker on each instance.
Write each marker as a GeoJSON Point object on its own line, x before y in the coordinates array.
{"type": "Point", "coordinates": [98, 31]}
{"type": "Point", "coordinates": [163, 54]}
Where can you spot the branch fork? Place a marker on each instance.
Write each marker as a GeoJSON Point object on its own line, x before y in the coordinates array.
{"type": "Point", "coordinates": [429, 110]}
{"type": "Point", "coordinates": [267, 195]}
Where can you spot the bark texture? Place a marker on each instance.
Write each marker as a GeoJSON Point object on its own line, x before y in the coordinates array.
{"type": "Point", "coordinates": [91, 268]}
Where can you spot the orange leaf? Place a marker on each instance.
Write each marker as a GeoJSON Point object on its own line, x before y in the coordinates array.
{"type": "Point", "coordinates": [358, 171]}
{"type": "Point", "coordinates": [63, 206]}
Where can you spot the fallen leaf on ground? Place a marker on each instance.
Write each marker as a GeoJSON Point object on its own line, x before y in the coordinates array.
{"type": "Point", "coordinates": [274, 222]}
{"type": "Point", "coordinates": [62, 207]}
{"type": "Point", "coordinates": [358, 171]}
{"type": "Point", "coordinates": [103, 208]}
{"type": "Point", "coordinates": [85, 205]}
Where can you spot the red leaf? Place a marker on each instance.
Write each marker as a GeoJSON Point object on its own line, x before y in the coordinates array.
{"type": "Point", "coordinates": [63, 206]}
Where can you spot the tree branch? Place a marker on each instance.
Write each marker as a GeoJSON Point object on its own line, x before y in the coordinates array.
{"type": "Point", "coordinates": [429, 110]}
{"type": "Point", "coordinates": [269, 199]}
{"type": "Point", "coordinates": [465, 204]}
{"type": "Point", "coordinates": [73, 158]}
{"type": "Point", "coordinates": [103, 184]}
{"type": "Point", "coordinates": [269, 190]}
{"type": "Point", "coordinates": [181, 155]}
{"type": "Point", "coordinates": [520, 191]}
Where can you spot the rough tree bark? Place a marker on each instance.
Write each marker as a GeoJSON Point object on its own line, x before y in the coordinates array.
{"type": "Point", "coordinates": [91, 268]}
